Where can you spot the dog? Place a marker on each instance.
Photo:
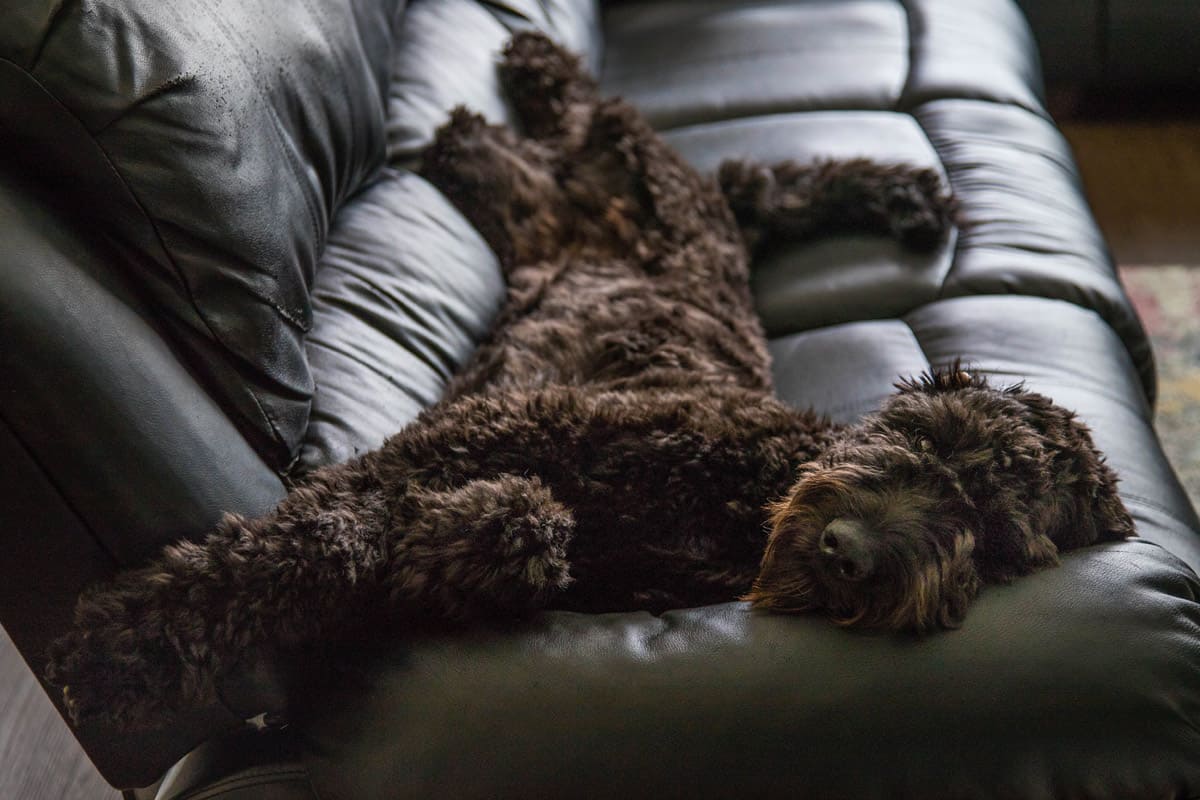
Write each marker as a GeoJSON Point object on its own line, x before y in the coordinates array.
{"type": "Point", "coordinates": [615, 443]}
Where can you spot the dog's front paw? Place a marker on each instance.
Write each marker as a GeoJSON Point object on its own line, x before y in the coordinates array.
{"type": "Point", "coordinates": [542, 80]}
{"type": "Point", "coordinates": [486, 549]}
{"type": "Point", "coordinates": [534, 64]}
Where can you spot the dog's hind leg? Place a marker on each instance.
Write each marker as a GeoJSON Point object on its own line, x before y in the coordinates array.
{"type": "Point", "coordinates": [790, 201]}
{"type": "Point", "coordinates": [158, 639]}
{"type": "Point", "coordinates": [506, 186]}
{"type": "Point", "coordinates": [551, 92]}
{"type": "Point", "coordinates": [161, 638]}
{"type": "Point", "coordinates": [487, 549]}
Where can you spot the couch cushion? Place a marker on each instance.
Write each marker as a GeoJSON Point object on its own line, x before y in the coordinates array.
{"type": "Point", "coordinates": [947, 84]}
{"type": "Point", "coordinates": [729, 59]}
{"type": "Point", "coordinates": [406, 288]}
{"type": "Point", "coordinates": [1026, 225]}
{"type": "Point", "coordinates": [772, 56]}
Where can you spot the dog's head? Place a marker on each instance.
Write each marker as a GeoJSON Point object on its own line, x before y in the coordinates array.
{"type": "Point", "coordinates": [950, 485]}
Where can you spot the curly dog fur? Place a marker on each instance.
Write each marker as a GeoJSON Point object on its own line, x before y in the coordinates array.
{"type": "Point", "coordinates": [615, 443]}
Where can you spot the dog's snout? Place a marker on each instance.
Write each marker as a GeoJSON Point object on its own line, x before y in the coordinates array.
{"type": "Point", "coordinates": [847, 547]}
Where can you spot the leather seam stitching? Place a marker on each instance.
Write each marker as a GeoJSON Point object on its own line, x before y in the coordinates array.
{"type": "Point", "coordinates": [51, 25]}
{"type": "Point", "coordinates": [957, 231]}
{"type": "Point", "coordinates": [1148, 503]}
{"type": "Point", "coordinates": [906, 89]}
{"type": "Point", "coordinates": [163, 88]}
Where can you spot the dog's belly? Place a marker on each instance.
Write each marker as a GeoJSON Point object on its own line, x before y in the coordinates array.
{"type": "Point", "coordinates": [667, 488]}
{"type": "Point", "coordinates": [617, 327]}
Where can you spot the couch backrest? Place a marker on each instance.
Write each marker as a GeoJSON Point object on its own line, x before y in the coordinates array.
{"type": "Point", "coordinates": [213, 143]}
{"type": "Point", "coordinates": [229, 151]}
{"type": "Point", "coordinates": [406, 287]}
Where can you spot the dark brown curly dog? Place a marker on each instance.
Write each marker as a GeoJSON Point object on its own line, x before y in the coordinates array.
{"type": "Point", "coordinates": [615, 443]}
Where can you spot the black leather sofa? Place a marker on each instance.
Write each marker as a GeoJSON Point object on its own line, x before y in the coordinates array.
{"type": "Point", "coordinates": [218, 270]}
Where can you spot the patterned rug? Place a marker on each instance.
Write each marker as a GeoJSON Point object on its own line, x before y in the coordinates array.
{"type": "Point", "coordinates": [1168, 299]}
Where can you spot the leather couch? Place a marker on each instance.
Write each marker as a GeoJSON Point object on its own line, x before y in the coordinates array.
{"type": "Point", "coordinates": [218, 271]}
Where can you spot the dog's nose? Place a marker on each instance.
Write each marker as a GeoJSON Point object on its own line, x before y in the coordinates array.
{"type": "Point", "coordinates": [847, 547]}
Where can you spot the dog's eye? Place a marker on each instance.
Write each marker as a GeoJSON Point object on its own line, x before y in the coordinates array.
{"type": "Point", "coordinates": [925, 444]}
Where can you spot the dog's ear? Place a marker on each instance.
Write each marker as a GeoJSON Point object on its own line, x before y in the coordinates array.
{"type": "Point", "coordinates": [950, 377]}
{"type": "Point", "coordinates": [1046, 490]}
{"type": "Point", "coordinates": [1086, 506]}
{"type": "Point", "coordinates": [1014, 538]}
{"type": "Point", "coordinates": [1083, 505]}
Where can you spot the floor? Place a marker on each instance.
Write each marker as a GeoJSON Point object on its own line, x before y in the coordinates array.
{"type": "Point", "coordinates": [39, 758]}
{"type": "Point", "coordinates": [1143, 181]}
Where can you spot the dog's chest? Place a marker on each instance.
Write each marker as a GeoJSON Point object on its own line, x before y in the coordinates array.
{"type": "Point", "coordinates": [676, 524]}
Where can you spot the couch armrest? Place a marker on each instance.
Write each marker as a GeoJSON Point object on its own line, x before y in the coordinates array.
{"type": "Point", "coordinates": [110, 449]}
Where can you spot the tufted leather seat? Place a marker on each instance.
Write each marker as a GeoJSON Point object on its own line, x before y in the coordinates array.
{"type": "Point", "coordinates": [220, 271]}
